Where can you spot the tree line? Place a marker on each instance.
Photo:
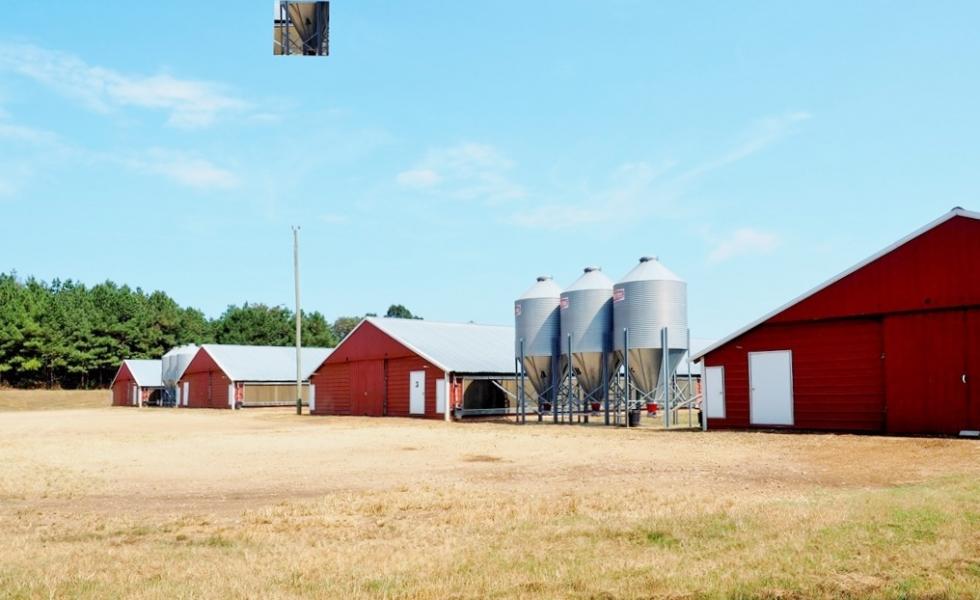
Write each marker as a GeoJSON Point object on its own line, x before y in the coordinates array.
{"type": "Point", "coordinates": [66, 334]}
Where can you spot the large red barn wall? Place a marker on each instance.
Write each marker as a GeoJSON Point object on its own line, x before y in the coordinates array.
{"type": "Point", "coordinates": [371, 345]}
{"type": "Point", "coordinates": [939, 269]}
{"type": "Point", "coordinates": [837, 374]}
{"type": "Point", "coordinates": [121, 395]}
{"type": "Point", "coordinates": [203, 373]}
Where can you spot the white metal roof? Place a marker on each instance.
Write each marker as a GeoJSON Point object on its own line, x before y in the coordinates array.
{"type": "Point", "coordinates": [264, 363]}
{"type": "Point", "coordinates": [454, 347]}
{"type": "Point", "coordinates": [956, 212]}
{"type": "Point", "coordinates": [147, 373]}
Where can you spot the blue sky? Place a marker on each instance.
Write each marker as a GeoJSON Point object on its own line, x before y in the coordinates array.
{"type": "Point", "coordinates": [447, 153]}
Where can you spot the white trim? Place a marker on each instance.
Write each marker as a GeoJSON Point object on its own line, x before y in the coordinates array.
{"type": "Point", "coordinates": [956, 212]}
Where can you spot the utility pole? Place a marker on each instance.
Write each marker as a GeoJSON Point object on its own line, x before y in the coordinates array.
{"type": "Point", "coordinates": [299, 325]}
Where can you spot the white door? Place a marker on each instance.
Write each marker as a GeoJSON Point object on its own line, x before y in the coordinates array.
{"type": "Point", "coordinates": [714, 392]}
{"type": "Point", "coordinates": [416, 393]}
{"type": "Point", "coordinates": [187, 392]}
{"type": "Point", "coordinates": [771, 388]}
{"type": "Point", "coordinates": [440, 396]}
{"type": "Point", "coordinates": [311, 402]}
{"type": "Point", "coordinates": [135, 395]}
{"type": "Point", "coordinates": [231, 396]}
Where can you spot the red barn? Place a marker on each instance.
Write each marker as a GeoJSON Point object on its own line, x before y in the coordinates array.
{"type": "Point", "coordinates": [137, 383]}
{"type": "Point", "coordinates": [232, 376]}
{"type": "Point", "coordinates": [416, 368]}
{"type": "Point", "coordinates": [890, 345]}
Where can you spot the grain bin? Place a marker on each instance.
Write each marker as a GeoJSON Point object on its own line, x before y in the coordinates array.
{"type": "Point", "coordinates": [645, 300]}
{"type": "Point", "coordinates": [537, 323]}
{"type": "Point", "coordinates": [586, 324]}
{"type": "Point", "coordinates": [172, 366]}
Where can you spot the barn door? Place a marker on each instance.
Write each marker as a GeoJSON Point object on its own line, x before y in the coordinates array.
{"type": "Point", "coordinates": [971, 375]}
{"type": "Point", "coordinates": [367, 388]}
{"type": "Point", "coordinates": [771, 388]}
{"type": "Point", "coordinates": [925, 372]}
{"type": "Point", "coordinates": [416, 393]}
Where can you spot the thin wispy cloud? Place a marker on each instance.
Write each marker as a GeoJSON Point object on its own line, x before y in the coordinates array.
{"type": "Point", "coordinates": [185, 169]}
{"type": "Point", "coordinates": [469, 171]}
{"type": "Point", "coordinates": [741, 242]}
{"type": "Point", "coordinates": [188, 103]}
{"type": "Point", "coordinates": [333, 219]}
{"type": "Point", "coordinates": [631, 192]}
{"type": "Point", "coordinates": [762, 134]}
{"type": "Point", "coordinates": [43, 147]}
{"type": "Point", "coordinates": [638, 189]}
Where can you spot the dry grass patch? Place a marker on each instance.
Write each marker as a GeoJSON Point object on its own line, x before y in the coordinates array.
{"type": "Point", "coordinates": [16, 400]}
{"type": "Point", "coordinates": [265, 504]}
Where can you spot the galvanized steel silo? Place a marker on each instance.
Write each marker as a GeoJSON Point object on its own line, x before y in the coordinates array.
{"type": "Point", "coordinates": [172, 366]}
{"type": "Point", "coordinates": [586, 320]}
{"type": "Point", "coordinates": [537, 322]}
{"type": "Point", "coordinates": [645, 300]}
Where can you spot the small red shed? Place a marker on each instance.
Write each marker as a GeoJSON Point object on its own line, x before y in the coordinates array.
{"type": "Point", "coordinates": [415, 368]}
{"type": "Point", "coordinates": [137, 383]}
{"type": "Point", "coordinates": [890, 345]}
{"type": "Point", "coordinates": [235, 376]}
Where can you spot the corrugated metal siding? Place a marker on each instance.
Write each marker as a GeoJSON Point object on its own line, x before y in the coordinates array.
{"type": "Point", "coordinates": [208, 384]}
{"type": "Point", "coordinates": [357, 366]}
{"type": "Point", "coordinates": [925, 359]}
{"type": "Point", "coordinates": [367, 388]}
{"type": "Point", "coordinates": [367, 343]}
{"type": "Point", "coordinates": [837, 374]}
{"type": "Point", "coordinates": [121, 395]}
{"type": "Point", "coordinates": [398, 386]}
{"type": "Point", "coordinates": [973, 368]}
{"type": "Point", "coordinates": [332, 389]}
{"type": "Point", "coordinates": [935, 270]}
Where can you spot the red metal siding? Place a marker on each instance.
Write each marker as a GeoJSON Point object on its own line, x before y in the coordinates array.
{"type": "Point", "coordinates": [935, 270]}
{"type": "Point", "coordinates": [367, 343]}
{"type": "Point", "coordinates": [398, 386]}
{"type": "Point", "coordinates": [367, 388]}
{"type": "Point", "coordinates": [122, 386]}
{"type": "Point", "coordinates": [973, 369]}
{"type": "Point", "coordinates": [837, 374]}
{"type": "Point", "coordinates": [352, 378]}
{"type": "Point", "coordinates": [925, 360]}
{"type": "Point", "coordinates": [208, 383]}
{"type": "Point", "coordinates": [333, 395]}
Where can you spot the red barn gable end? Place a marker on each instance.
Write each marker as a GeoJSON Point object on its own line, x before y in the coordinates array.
{"type": "Point", "coordinates": [352, 381]}
{"type": "Point", "coordinates": [383, 363]}
{"type": "Point", "coordinates": [891, 345]}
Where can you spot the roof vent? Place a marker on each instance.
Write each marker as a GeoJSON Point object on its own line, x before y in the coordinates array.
{"type": "Point", "coordinates": [590, 269]}
{"type": "Point", "coordinates": [644, 259]}
{"type": "Point", "coordinates": [544, 277]}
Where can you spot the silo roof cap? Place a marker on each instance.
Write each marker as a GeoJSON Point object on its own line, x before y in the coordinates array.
{"type": "Point", "coordinates": [544, 287]}
{"type": "Point", "coordinates": [650, 269]}
{"type": "Point", "coordinates": [592, 279]}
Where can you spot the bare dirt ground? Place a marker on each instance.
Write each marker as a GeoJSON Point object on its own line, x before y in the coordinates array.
{"type": "Point", "coordinates": [164, 503]}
